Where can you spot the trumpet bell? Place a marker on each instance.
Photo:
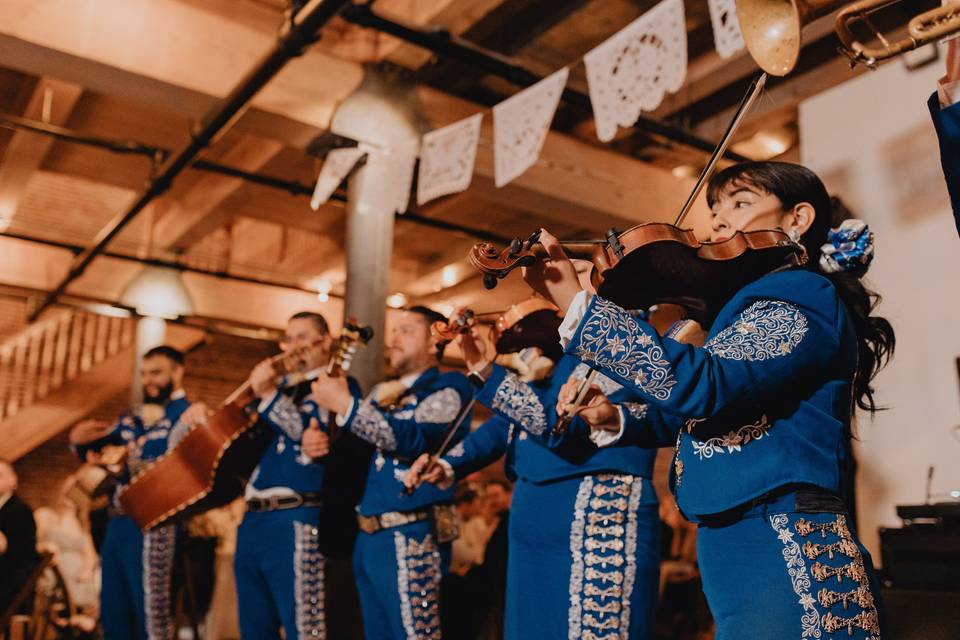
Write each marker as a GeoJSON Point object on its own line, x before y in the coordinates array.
{"type": "Point", "coordinates": [772, 29]}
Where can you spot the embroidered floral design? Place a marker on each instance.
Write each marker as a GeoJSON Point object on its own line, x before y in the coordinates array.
{"type": "Point", "coordinates": [308, 588]}
{"type": "Point", "coordinates": [797, 570]}
{"type": "Point", "coordinates": [457, 450]}
{"type": "Point", "coordinates": [606, 385]}
{"type": "Point", "coordinates": [371, 425]}
{"type": "Point", "coordinates": [732, 441]}
{"type": "Point", "coordinates": [285, 415]}
{"type": "Point", "coordinates": [158, 549]}
{"type": "Point", "coordinates": [613, 340]}
{"type": "Point", "coordinates": [518, 402]}
{"type": "Point", "coordinates": [636, 409]}
{"type": "Point", "coordinates": [603, 551]}
{"type": "Point", "coordinates": [766, 329]}
{"type": "Point", "coordinates": [418, 581]}
{"type": "Point", "coordinates": [439, 407]}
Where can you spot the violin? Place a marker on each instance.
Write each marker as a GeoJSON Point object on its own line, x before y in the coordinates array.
{"type": "Point", "coordinates": [656, 263]}
{"type": "Point", "coordinates": [531, 323]}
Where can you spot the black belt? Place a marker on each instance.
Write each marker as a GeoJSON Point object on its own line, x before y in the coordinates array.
{"type": "Point", "coordinates": [291, 501]}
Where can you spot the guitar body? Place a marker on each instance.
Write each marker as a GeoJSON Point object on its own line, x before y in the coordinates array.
{"type": "Point", "coordinates": [208, 468]}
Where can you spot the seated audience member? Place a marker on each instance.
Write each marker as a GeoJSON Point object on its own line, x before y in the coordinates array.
{"type": "Point", "coordinates": [18, 540]}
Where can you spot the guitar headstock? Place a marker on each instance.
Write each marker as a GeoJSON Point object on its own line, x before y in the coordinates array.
{"type": "Point", "coordinates": [352, 335]}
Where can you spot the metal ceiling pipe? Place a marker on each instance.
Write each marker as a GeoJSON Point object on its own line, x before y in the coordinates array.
{"type": "Point", "coordinates": [292, 187]}
{"type": "Point", "coordinates": [444, 43]}
{"type": "Point", "coordinates": [300, 32]}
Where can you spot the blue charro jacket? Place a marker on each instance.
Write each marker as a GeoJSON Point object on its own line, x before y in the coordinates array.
{"type": "Point", "coordinates": [765, 403]}
{"type": "Point", "coordinates": [283, 464]}
{"type": "Point", "coordinates": [416, 423]}
{"type": "Point", "coordinates": [144, 443]}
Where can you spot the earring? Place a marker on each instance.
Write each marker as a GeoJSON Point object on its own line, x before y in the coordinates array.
{"type": "Point", "coordinates": [794, 235]}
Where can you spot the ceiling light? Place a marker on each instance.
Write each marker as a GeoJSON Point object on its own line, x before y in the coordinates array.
{"type": "Point", "coordinates": [397, 301]}
{"type": "Point", "coordinates": [448, 277]}
{"type": "Point", "coordinates": [158, 292]}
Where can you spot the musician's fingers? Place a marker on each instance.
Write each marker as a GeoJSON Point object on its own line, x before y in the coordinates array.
{"type": "Point", "coordinates": [552, 246]}
{"type": "Point", "coordinates": [314, 424]}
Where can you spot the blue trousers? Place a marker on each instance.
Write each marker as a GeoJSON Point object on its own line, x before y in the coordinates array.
{"type": "Point", "coordinates": [777, 573]}
{"type": "Point", "coordinates": [398, 575]}
{"type": "Point", "coordinates": [584, 559]}
{"type": "Point", "coordinates": [280, 575]}
{"type": "Point", "coordinates": [135, 603]}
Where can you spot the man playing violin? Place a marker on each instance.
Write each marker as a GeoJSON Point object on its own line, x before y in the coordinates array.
{"type": "Point", "coordinates": [761, 412]}
{"type": "Point", "coordinates": [584, 527]}
{"type": "Point", "coordinates": [134, 598]}
{"type": "Point", "coordinates": [404, 544]}
{"type": "Point", "coordinates": [279, 565]}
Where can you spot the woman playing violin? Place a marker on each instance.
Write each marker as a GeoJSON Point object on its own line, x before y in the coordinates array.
{"type": "Point", "coordinates": [761, 413]}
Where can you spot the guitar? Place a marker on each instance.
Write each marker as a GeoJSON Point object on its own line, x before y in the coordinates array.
{"type": "Point", "coordinates": [211, 465]}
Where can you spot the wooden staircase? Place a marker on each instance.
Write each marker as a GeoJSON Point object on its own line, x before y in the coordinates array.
{"type": "Point", "coordinates": [59, 369]}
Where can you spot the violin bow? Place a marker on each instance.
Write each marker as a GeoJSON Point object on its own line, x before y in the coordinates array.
{"type": "Point", "coordinates": [447, 439]}
{"type": "Point", "coordinates": [756, 87]}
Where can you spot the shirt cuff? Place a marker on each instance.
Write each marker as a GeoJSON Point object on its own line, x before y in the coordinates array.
{"type": "Point", "coordinates": [603, 438]}
{"type": "Point", "coordinates": [573, 316]}
{"type": "Point", "coordinates": [448, 475]}
{"type": "Point", "coordinates": [266, 402]}
{"type": "Point", "coordinates": [341, 420]}
{"type": "Point", "coordinates": [949, 92]}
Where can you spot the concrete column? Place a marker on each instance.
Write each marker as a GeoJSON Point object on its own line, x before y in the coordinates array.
{"type": "Point", "coordinates": [369, 248]}
{"type": "Point", "coordinates": [151, 332]}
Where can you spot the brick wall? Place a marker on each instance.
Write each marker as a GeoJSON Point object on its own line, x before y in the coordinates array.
{"type": "Point", "coordinates": [213, 370]}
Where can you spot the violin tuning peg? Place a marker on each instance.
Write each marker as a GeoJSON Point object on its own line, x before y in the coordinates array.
{"type": "Point", "coordinates": [489, 281]}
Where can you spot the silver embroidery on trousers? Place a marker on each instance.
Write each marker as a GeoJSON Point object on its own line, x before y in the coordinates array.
{"type": "Point", "coordinates": [308, 589]}
{"type": "Point", "coordinates": [603, 554]}
{"type": "Point", "coordinates": [158, 548]}
{"type": "Point", "coordinates": [418, 584]}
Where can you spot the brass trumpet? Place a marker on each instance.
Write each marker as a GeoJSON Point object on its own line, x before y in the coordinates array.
{"type": "Point", "coordinates": [772, 29]}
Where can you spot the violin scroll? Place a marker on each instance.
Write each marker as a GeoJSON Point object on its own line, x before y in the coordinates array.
{"type": "Point", "coordinates": [458, 323]}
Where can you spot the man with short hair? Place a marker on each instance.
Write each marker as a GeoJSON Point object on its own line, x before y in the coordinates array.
{"type": "Point", "coordinates": [279, 566]}
{"type": "Point", "coordinates": [404, 547]}
{"type": "Point", "coordinates": [135, 593]}
{"type": "Point", "coordinates": [18, 538]}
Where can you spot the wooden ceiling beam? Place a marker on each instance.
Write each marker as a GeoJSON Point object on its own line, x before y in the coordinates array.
{"type": "Point", "coordinates": [169, 61]}
{"type": "Point", "coordinates": [52, 101]}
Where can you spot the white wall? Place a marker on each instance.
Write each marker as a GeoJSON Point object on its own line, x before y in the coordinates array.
{"type": "Point", "coordinates": [847, 135]}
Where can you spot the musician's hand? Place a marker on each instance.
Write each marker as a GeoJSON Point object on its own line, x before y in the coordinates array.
{"type": "Point", "coordinates": [598, 412]}
{"type": "Point", "coordinates": [3, 543]}
{"type": "Point", "coordinates": [87, 431]}
{"type": "Point", "coordinates": [474, 350]}
{"type": "Point", "coordinates": [953, 61]}
{"type": "Point", "coordinates": [439, 474]}
{"type": "Point", "coordinates": [315, 443]}
{"type": "Point", "coordinates": [263, 379]}
{"type": "Point", "coordinates": [332, 394]}
{"type": "Point", "coordinates": [555, 278]}
{"type": "Point", "coordinates": [195, 414]}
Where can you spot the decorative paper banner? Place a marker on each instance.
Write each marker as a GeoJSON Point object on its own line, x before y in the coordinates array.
{"type": "Point", "coordinates": [336, 166]}
{"type": "Point", "coordinates": [631, 72]}
{"type": "Point", "coordinates": [726, 28]}
{"type": "Point", "coordinates": [446, 159]}
{"type": "Point", "coordinates": [520, 126]}
{"type": "Point", "coordinates": [391, 172]}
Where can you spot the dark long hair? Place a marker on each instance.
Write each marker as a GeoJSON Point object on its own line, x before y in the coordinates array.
{"type": "Point", "coordinates": [793, 184]}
